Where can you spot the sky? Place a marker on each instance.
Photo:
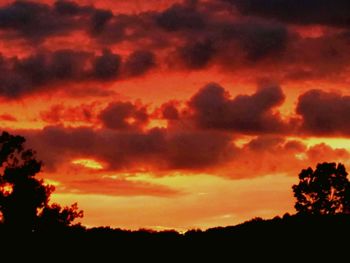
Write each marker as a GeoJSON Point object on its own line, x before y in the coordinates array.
{"type": "Point", "coordinates": [177, 114]}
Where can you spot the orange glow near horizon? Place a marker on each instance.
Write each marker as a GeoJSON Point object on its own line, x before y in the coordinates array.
{"type": "Point", "coordinates": [207, 201]}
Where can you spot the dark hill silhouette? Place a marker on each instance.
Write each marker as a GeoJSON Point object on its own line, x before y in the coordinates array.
{"type": "Point", "coordinates": [294, 237]}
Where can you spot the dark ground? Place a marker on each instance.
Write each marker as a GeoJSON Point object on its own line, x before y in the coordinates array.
{"type": "Point", "coordinates": [291, 238]}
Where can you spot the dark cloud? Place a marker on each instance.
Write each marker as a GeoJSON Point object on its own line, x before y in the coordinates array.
{"type": "Point", "coordinates": [262, 143]}
{"type": "Point", "coordinates": [30, 74]}
{"type": "Point", "coordinates": [36, 21]}
{"type": "Point", "coordinates": [158, 149]}
{"type": "Point", "coordinates": [190, 35]}
{"type": "Point", "coordinates": [324, 12]}
{"type": "Point", "coordinates": [63, 64]}
{"type": "Point", "coordinates": [319, 58]}
{"type": "Point", "coordinates": [208, 32]}
{"type": "Point", "coordinates": [99, 21]}
{"type": "Point", "coordinates": [232, 44]}
{"type": "Point", "coordinates": [214, 109]}
{"type": "Point", "coordinates": [106, 66]}
{"type": "Point", "coordinates": [198, 150]}
{"type": "Point", "coordinates": [324, 113]}
{"type": "Point", "coordinates": [196, 55]}
{"type": "Point", "coordinates": [181, 17]}
{"type": "Point", "coordinates": [71, 8]}
{"type": "Point", "coordinates": [162, 150]}
{"type": "Point", "coordinates": [136, 29]}
{"type": "Point", "coordinates": [169, 111]}
{"type": "Point", "coordinates": [139, 62]}
{"type": "Point", "coordinates": [260, 40]}
{"type": "Point", "coordinates": [44, 70]}
{"type": "Point", "coordinates": [124, 115]}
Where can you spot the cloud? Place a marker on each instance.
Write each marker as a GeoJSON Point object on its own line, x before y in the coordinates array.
{"type": "Point", "coordinates": [191, 35]}
{"type": "Point", "coordinates": [161, 151]}
{"type": "Point", "coordinates": [181, 16]}
{"type": "Point", "coordinates": [139, 62]}
{"type": "Point", "coordinates": [135, 29]}
{"type": "Point", "coordinates": [270, 155]}
{"type": "Point", "coordinates": [323, 153]}
{"type": "Point", "coordinates": [124, 115]}
{"type": "Point", "coordinates": [200, 137]}
{"type": "Point", "coordinates": [207, 32]}
{"type": "Point", "coordinates": [198, 150]}
{"type": "Point", "coordinates": [169, 110]}
{"type": "Point", "coordinates": [43, 70]}
{"type": "Point", "coordinates": [36, 21]}
{"type": "Point", "coordinates": [115, 187]}
{"type": "Point", "coordinates": [89, 91]}
{"type": "Point", "coordinates": [8, 117]}
{"type": "Point", "coordinates": [106, 66]}
{"type": "Point", "coordinates": [30, 74]}
{"type": "Point", "coordinates": [99, 20]}
{"type": "Point", "coordinates": [196, 55]}
{"type": "Point", "coordinates": [70, 8]}
{"type": "Point", "coordinates": [117, 115]}
{"type": "Point", "coordinates": [214, 109]}
{"type": "Point", "coordinates": [324, 113]}
{"type": "Point", "coordinates": [324, 12]}
{"type": "Point", "coordinates": [155, 149]}
{"type": "Point", "coordinates": [60, 114]}
{"type": "Point", "coordinates": [260, 39]}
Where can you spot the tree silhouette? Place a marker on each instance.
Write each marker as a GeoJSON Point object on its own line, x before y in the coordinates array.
{"type": "Point", "coordinates": [324, 191]}
{"type": "Point", "coordinates": [24, 200]}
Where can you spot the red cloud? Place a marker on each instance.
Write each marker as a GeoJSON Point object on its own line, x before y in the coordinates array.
{"type": "Point", "coordinates": [324, 113]}
{"type": "Point", "coordinates": [7, 117]}
{"type": "Point", "coordinates": [123, 115]}
{"type": "Point", "coordinates": [203, 140]}
{"type": "Point", "coordinates": [161, 151]}
{"type": "Point", "coordinates": [59, 114]}
{"type": "Point", "coordinates": [214, 109]}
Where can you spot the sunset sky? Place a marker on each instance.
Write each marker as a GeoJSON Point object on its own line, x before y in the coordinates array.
{"type": "Point", "coordinates": [177, 114]}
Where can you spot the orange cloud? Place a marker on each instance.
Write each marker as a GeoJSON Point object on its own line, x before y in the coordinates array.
{"type": "Point", "coordinates": [115, 187]}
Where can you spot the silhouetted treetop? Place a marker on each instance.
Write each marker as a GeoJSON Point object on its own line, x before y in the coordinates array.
{"type": "Point", "coordinates": [325, 190]}
{"type": "Point", "coordinates": [24, 199]}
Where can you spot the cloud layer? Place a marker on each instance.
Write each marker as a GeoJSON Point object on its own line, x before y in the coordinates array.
{"type": "Point", "coordinates": [76, 77]}
{"type": "Point", "coordinates": [263, 38]}
{"type": "Point", "coordinates": [201, 136]}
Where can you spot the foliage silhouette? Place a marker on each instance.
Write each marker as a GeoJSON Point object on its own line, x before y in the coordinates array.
{"type": "Point", "coordinates": [324, 191]}
{"type": "Point", "coordinates": [24, 200]}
